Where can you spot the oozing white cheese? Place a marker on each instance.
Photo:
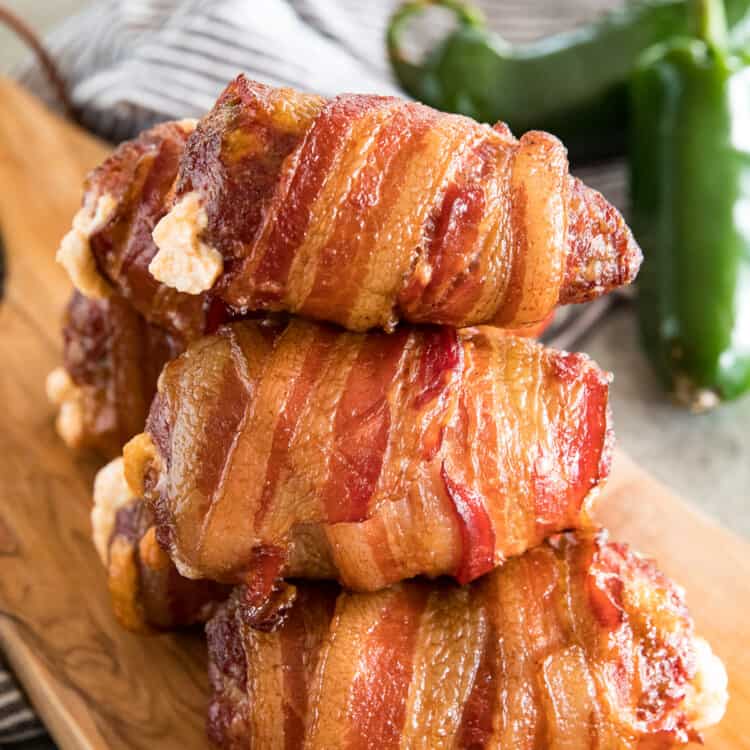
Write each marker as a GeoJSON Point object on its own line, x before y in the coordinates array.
{"type": "Point", "coordinates": [75, 255]}
{"type": "Point", "coordinates": [64, 393]}
{"type": "Point", "coordinates": [69, 423]}
{"type": "Point", "coordinates": [187, 125]}
{"type": "Point", "coordinates": [59, 386]}
{"type": "Point", "coordinates": [184, 261]}
{"type": "Point", "coordinates": [111, 492]}
{"type": "Point", "coordinates": [707, 697]}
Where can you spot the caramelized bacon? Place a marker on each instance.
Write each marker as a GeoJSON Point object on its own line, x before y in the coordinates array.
{"type": "Point", "coordinates": [262, 680]}
{"type": "Point", "coordinates": [368, 458]}
{"type": "Point", "coordinates": [112, 358]}
{"type": "Point", "coordinates": [520, 659]}
{"type": "Point", "coordinates": [475, 526]}
{"type": "Point", "coordinates": [137, 180]}
{"type": "Point", "coordinates": [147, 591]}
{"type": "Point", "coordinates": [594, 228]}
{"type": "Point", "coordinates": [364, 210]}
{"type": "Point", "coordinates": [117, 343]}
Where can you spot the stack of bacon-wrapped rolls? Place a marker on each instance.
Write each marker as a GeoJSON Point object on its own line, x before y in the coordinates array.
{"type": "Point", "coordinates": [307, 322]}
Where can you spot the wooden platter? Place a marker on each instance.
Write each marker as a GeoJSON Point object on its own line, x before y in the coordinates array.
{"type": "Point", "coordinates": [97, 686]}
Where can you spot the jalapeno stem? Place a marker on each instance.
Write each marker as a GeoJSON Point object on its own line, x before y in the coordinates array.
{"type": "Point", "coordinates": [710, 22]}
{"type": "Point", "coordinates": [465, 13]}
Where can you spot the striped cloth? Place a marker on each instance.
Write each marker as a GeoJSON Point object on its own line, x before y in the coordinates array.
{"type": "Point", "coordinates": [131, 63]}
{"type": "Point", "coordinates": [17, 720]}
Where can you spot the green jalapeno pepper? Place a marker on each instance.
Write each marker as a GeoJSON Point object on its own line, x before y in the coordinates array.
{"type": "Point", "coordinates": [690, 185]}
{"type": "Point", "coordinates": [572, 84]}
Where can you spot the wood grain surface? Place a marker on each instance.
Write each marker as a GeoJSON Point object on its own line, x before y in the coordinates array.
{"type": "Point", "coordinates": [97, 686]}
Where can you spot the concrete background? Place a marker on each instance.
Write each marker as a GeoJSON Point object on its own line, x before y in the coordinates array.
{"type": "Point", "coordinates": [41, 15]}
{"type": "Point", "coordinates": [705, 458]}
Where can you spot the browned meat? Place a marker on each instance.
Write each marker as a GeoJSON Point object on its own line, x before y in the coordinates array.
{"type": "Point", "coordinates": [579, 643]}
{"type": "Point", "coordinates": [364, 210]}
{"type": "Point", "coordinates": [302, 450]}
{"type": "Point", "coordinates": [147, 591]}
{"type": "Point", "coordinates": [112, 359]}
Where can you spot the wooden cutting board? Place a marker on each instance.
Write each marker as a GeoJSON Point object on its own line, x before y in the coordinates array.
{"type": "Point", "coordinates": [97, 686]}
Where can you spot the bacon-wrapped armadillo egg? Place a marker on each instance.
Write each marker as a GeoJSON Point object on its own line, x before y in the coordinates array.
{"type": "Point", "coordinates": [364, 210]}
{"type": "Point", "coordinates": [577, 643]}
{"type": "Point", "coordinates": [146, 591]}
{"type": "Point", "coordinates": [112, 359]}
{"type": "Point", "coordinates": [302, 450]}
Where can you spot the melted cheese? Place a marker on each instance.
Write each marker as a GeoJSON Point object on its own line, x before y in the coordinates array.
{"type": "Point", "coordinates": [184, 261]}
{"type": "Point", "coordinates": [139, 453]}
{"type": "Point", "coordinates": [75, 255]}
{"type": "Point", "coordinates": [59, 386]}
{"type": "Point", "coordinates": [707, 697]}
{"type": "Point", "coordinates": [187, 125]}
{"type": "Point", "coordinates": [111, 493]}
{"type": "Point", "coordinates": [64, 393]}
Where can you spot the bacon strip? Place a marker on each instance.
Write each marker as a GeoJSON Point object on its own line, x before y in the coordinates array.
{"type": "Point", "coordinates": [520, 659]}
{"type": "Point", "coordinates": [361, 429]}
{"type": "Point", "coordinates": [318, 154]}
{"type": "Point", "coordinates": [147, 591]}
{"type": "Point", "coordinates": [364, 210]}
{"type": "Point", "coordinates": [138, 177]}
{"type": "Point", "coordinates": [112, 359]}
{"type": "Point", "coordinates": [425, 451]}
{"type": "Point", "coordinates": [261, 690]}
{"type": "Point", "coordinates": [477, 534]}
{"type": "Point", "coordinates": [383, 673]}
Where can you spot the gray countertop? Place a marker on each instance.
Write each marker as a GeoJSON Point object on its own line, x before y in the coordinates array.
{"type": "Point", "coordinates": [40, 15]}
{"type": "Point", "coordinates": [705, 457]}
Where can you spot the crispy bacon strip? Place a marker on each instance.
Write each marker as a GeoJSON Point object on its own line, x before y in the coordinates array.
{"type": "Point", "coordinates": [112, 359]}
{"type": "Point", "coordinates": [147, 592]}
{"type": "Point", "coordinates": [262, 679]}
{"type": "Point", "coordinates": [577, 643]}
{"type": "Point", "coordinates": [110, 247]}
{"type": "Point", "coordinates": [301, 450]}
{"type": "Point", "coordinates": [364, 210]}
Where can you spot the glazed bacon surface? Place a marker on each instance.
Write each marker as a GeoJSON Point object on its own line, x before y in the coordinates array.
{"type": "Point", "coordinates": [112, 359]}
{"type": "Point", "coordinates": [122, 325]}
{"type": "Point", "coordinates": [579, 643]}
{"type": "Point", "coordinates": [364, 210]}
{"type": "Point", "coordinates": [146, 590]}
{"type": "Point", "coordinates": [110, 246]}
{"type": "Point", "coordinates": [301, 450]}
